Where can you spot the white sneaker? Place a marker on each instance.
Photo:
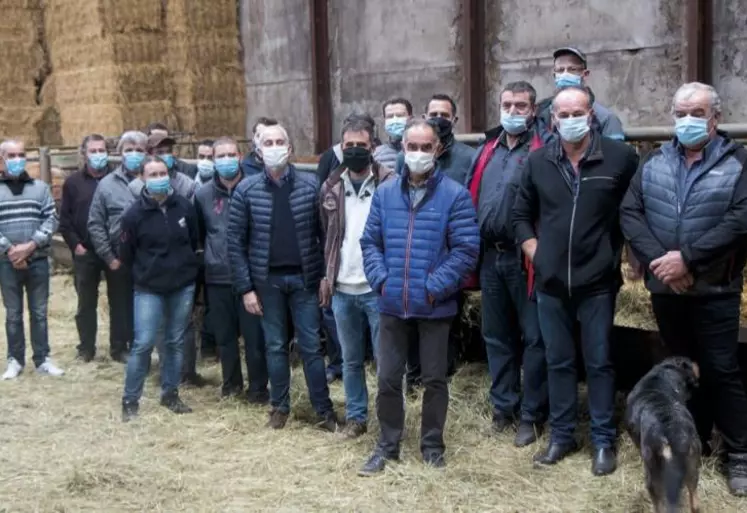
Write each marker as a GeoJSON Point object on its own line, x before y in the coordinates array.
{"type": "Point", "coordinates": [13, 370]}
{"type": "Point", "coordinates": [49, 368]}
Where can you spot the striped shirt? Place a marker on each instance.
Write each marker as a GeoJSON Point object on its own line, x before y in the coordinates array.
{"type": "Point", "coordinates": [27, 212]}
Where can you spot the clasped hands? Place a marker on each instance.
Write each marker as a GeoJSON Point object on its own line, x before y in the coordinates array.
{"type": "Point", "coordinates": [671, 270]}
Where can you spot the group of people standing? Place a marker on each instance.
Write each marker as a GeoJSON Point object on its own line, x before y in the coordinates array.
{"type": "Point", "coordinates": [383, 241]}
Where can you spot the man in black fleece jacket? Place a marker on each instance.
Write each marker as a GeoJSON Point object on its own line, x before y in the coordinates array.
{"type": "Point", "coordinates": [566, 220]}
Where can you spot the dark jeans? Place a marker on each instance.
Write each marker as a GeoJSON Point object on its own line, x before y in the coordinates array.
{"type": "Point", "coordinates": [413, 352]}
{"type": "Point", "coordinates": [35, 280]}
{"type": "Point", "coordinates": [706, 329]}
{"type": "Point", "coordinates": [557, 317]}
{"type": "Point", "coordinates": [509, 321]}
{"type": "Point", "coordinates": [189, 362]}
{"type": "Point", "coordinates": [333, 348]}
{"type": "Point", "coordinates": [394, 337]}
{"type": "Point", "coordinates": [276, 295]}
{"type": "Point", "coordinates": [231, 320]}
{"type": "Point", "coordinates": [207, 337]}
{"type": "Point", "coordinates": [88, 269]}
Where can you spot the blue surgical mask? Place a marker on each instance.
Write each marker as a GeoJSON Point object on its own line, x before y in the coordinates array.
{"type": "Point", "coordinates": [206, 169]}
{"type": "Point", "coordinates": [395, 127]}
{"type": "Point", "coordinates": [98, 161]}
{"type": "Point", "coordinates": [168, 158]}
{"type": "Point", "coordinates": [158, 185]}
{"type": "Point", "coordinates": [573, 129]}
{"type": "Point", "coordinates": [567, 80]}
{"type": "Point", "coordinates": [691, 131]}
{"type": "Point", "coordinates": [133, 160]}
{"type": "Point", "coordinates": [227, 167]}
{"type": "Point", "coordinates": [513, 124]}
{"type": "Point", "coordinates": [15, 167]}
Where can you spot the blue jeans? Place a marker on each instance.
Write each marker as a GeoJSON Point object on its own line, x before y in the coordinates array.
{"type": "Point", "coordinates": [351, 313]}
{"type": "Point", "coordinates": [509, 321]}
{"type": "Point", "coordinates": [276, 295]}
{"type": "Point", "coordinates": [557, 317]}
{"type": "Point", "coordinates": [154, 314]}
{"type": "Point", "coordinates": [35, 280]}
{"type": "Point", "coordinates": [333, 349]}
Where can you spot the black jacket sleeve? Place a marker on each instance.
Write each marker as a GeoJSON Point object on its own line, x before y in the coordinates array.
{"type": "Point", "coordinates": [67, 221]}
{"type": "Point", "coordinates": [327, 163]}
{"type": "Point", "coordinates": [729, 234]}
{"type": "Point", "coordinates": [526, 206]}
{"type": "Point", "coordinates": [646, 247]}
{"type": "Point", "coordinates": [201, 228]}
{"type": "Point", "coordinates": [128, 237]}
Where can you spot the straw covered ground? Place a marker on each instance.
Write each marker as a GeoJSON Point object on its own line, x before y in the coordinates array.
{"type": "Point", "coordinates": [65, 450]}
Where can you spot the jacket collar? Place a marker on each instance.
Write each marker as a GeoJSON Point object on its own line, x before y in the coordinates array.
{"type": "Point", "coordinates": [594, 152]}
{"type": "Point", "coordinates": [288, 175]}
{"type": "Point", "coordinates": [379, 173]}
{"type": "Point", "coordinates": [220, 188]}
{"type": "Point", "coordinates": [498, 132]}
{"type": "Point", "coordinates": [431, 182]}
{"type": "Point", "coordinates": [149, 203]}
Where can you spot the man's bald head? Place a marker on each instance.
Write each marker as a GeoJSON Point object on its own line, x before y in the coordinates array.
{"type": "Point", "coordinates": [572, 98]}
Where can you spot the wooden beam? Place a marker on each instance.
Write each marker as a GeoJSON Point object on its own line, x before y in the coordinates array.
{"type": "Point", "coordinates": [321, 90]}
{"type": "Point", "coordinates": [699, 40]}
{"type": "Point", "coordinates": [474, 88]}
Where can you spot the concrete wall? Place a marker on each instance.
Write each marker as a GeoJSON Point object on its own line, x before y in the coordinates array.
{"type": "Point", "coordinates": [413, 49]}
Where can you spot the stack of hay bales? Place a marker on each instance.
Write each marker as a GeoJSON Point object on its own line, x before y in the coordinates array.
{"type": "Point", "coordinates": [108, 64]}
{"type": "Point", "coordinates": [22, 67]}
{"type": "Point", "coordinates": [205, 63]}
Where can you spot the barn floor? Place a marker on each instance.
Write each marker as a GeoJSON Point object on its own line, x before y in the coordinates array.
{"type": "Point", "coordinates": [64, 449]}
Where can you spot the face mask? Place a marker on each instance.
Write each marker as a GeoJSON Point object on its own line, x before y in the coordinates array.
{"type": "Point", "coordinates": [513, 124]}
{"type": "Point", "coordinates": [275, 156]}
{"type": "Point", "coordinates": [168, 158]}
{"type": "Point", "coordinates": [444, 127]}
{"type": "Point", "coordinates": [227, 167]}
{"type": "Point", "coordinates": [98, 161]}
{"type": "Point", "coordinates": [133, 160]}
{"type": "Point", "coordinates": [567, 80]}
{"type": "Point", "coordinates": [395, 127]}
{"type": "Point", "coordinates": [15, 167]}
{"type": "Point", "coordinates": [356, 159]}
{"type": "Point", "coordinates": [691, 131]}
{"type": "Point", "coordinates": [419, 162]}
{"type": "Point", "coordinates": [573, 129]}
{"type": "Point", "coordinates": [159, 185]}
{"type": "Point", "coordinates": [205, 168]}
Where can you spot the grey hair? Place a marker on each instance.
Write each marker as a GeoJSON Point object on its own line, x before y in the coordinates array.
{"type": "Point", "coordinates": [280, 127]}
{"type": "Point", "coordinates": [419, 122]}
{"type": "Point", "coordinates": [581, 89]}
{"type": "Point", "coordinates": [221, 141]}
{"type": "Point", "coordinates": [686, 91]}
{"type": "Point", "coordinates": [132, 137]}
{"type": "Point", "coordinates": [7, 143]}
{"type": "Point", "coordinates": [358, 124]}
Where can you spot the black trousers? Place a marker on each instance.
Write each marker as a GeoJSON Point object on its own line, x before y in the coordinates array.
{"type": "Point", "coordinates": [87, 270]}
{"type": "Point", "coordinates": [394, 337]}
{"type": "Point", "coordinates": [706, 329]}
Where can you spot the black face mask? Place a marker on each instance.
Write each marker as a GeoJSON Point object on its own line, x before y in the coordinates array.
{"type": "Point", "coordinates": [356, 159]}
{"type": "Point", "coordinates": [443, 126]}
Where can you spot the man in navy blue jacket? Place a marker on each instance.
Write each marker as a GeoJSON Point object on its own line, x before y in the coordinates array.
{"type": "Point", "coordinates": [420, 243]}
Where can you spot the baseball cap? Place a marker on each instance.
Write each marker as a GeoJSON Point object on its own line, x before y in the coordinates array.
{"type": "Point", "coordinates": [156, 140]}
{"type": "Point", "coordinates": [570, 50]}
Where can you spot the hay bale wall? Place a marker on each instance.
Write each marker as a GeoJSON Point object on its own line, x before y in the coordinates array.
{"type": "Point", "coordinates": [121, 65]}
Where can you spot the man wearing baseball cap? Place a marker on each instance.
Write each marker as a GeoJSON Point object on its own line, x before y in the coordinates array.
{"type": "Point", "coordinates": [159, 134]}
{"type": "Point", "coordinates": [570, 69]}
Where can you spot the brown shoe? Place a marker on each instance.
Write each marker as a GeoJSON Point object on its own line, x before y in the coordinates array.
{"type": "Point", "coordinates": [277, 419]}
{"type": "Point", "coordinates": [353, 430]}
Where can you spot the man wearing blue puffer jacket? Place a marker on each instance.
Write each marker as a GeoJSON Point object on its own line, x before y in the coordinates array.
{"type": "Point", "coordinates": [420, 243]}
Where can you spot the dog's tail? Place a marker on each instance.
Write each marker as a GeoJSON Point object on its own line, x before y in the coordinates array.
{"type": "Point", "coordinates": [660, 454]}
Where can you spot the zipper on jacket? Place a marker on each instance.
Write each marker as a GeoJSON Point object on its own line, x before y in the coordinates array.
{"type": "Point", "coordinates": [570, 231]}
{"type": "Point", "coordinates": [408, 248]}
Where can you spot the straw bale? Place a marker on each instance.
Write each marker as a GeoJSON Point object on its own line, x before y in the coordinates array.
{"type": "Point", "coordinates": [211, 49]}
{"type": "Point", "coordinates": [79, 120]}
{"type": "Point", "coordinates": [138, 115]}
{"type": "Point", "coordinates": [143, 83]}
{"type": "Point", "coordinates": [220, 84]}
{"type": "Point", "coordinates": [20, 122]}
{"type": "Point", "coordinates": [71, 20]}
{"type": "Point", "coordinates": [93, 85]}
{"type": "Point", "coordinates": [213, 120]}
{"type": "Point", "coordinates": [189, 15]}
{"type": "Point", "coordinates": [133, 16]}
{"type": "Point", "coordinates": [139, 48]}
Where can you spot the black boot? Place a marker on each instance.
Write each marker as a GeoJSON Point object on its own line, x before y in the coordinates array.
{"type": "Point", "coordinates": [737, 474]}
{"type": "Point", "coordinates": [172, 401]}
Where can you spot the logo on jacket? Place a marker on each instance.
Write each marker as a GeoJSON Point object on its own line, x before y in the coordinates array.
{"type": "Point", "coordinates": [182, 223]}
{"type": "Point", "coordinates": [218, 206]}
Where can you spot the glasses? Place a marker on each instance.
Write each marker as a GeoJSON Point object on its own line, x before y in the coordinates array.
{"type": "Point", "coordinates": [576, 70]}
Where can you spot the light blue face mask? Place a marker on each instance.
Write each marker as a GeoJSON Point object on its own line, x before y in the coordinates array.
{"type": "Point", "coordinates": [395, 127]}
{"type": "Point", "coordinates": [567, 80]}
{"type": "Point", "coordinates": [206, 169]}
{"type": "Point", "coordinates": [227, 167]}
{"type": "Point", "coordinates": [169, 159]}
{"type": "Point", "coordinates": [159, 185]}
{"type": "Point", "coordinates": [514, 124]}
{"type": "Point", "coordinates": [573, 129]}
{"type": "Point", "coordinates": [133, 160]}
{"type": "Point", "coordinates": [691, 131]}
{"type": "Point", "coordinates": [15, 167]}
{"type": "Point", "coordinates": [98, 161]}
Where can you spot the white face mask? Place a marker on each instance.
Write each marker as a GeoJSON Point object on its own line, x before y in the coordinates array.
{"type": "Point", "coordinates": [275, 156]}
{"type": "Point", "coordinates": [419, 162]}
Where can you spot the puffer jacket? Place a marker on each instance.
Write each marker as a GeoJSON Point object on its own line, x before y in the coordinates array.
{"type": "Point", "coordinates": [417, 258]}
{"type": "Point", "coordinates": [250, 227]}
{"type": "Point", "coordinates": [704, 218]}
{"type": "Point", "coordinates": [212, 204]}
{"type": "Point", "coordinates": [332, 214]}
{"type": "Point", "coordinates": [386, 154]}
{"type": "Point", "coordinates": [251, 164]}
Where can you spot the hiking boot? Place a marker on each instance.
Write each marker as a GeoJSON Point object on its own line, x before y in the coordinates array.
{"type": "Point", "coordinates": [194, 380]}
{"type": "Point", "coordinates": [502, 422]}
{"type": "Point", "coordinates": [329, 422]}
{"type": "Point", "coordinates": [84, 356]}
{"type": "Point", "coordinates": [527, 433]}
{"type": "Point", "coordinates": [130, 411]}
{"type": "Point", "coordinates": [434, 459]}
{"type": "Point", "coordinates": [375, 465]}
{"type": "Point", "coordinates": [49, 368]}
{"type": "Point", "coordinates": [174, 403]}
{"type": "Point", "coordinates": [737, 474]}
{"type": "Point", "coordinates": [14, 369]}
{"type": "Point", "coordinates": [277, 419]}
{"type": "Point", "coordinates": [353, 429]}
